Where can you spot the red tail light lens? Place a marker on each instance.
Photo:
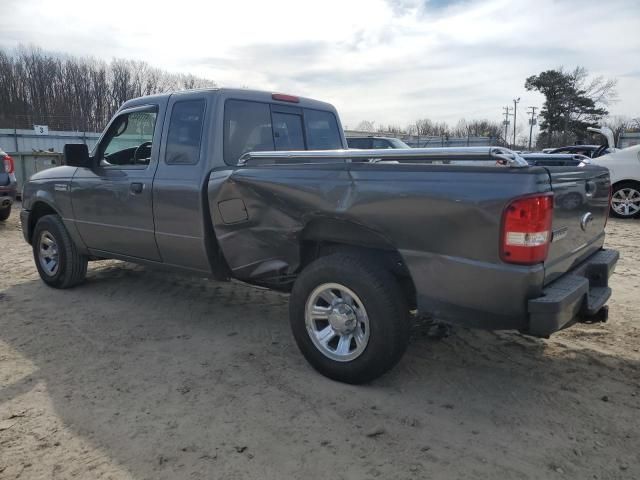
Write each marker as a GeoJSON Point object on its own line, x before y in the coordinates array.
{"type": "Point", "coordinates": [282, 97]}
{"type": "Point", "coordinates": [9, 166]}
{"type": "Point", "coordinates": [526, 230]}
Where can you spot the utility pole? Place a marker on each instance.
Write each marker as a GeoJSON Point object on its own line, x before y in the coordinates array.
{"type": "Point", "coordinates": [532, 122]}
{"type": "Point", "coordinates": [515, 112]}
{"type": "Point", "coordinates": [506, 122]}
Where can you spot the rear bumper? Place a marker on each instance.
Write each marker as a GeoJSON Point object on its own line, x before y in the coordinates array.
{"type": "Point", "coordinates": [579, 294]}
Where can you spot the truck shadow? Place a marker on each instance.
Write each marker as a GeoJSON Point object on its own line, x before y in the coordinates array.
{"type": "Point", "coordinates": [179, 377]}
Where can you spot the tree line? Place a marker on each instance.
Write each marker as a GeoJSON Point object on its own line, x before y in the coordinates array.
{"type": "Point", "coordinates": [75, 93]}
{"type": "Point", "coordinates": [429, 128]}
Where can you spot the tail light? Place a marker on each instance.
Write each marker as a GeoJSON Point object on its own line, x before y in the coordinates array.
{"type": "Point", "coordinates": [526, 230]}
{"type": "Point", "coordinates": [9, 166]}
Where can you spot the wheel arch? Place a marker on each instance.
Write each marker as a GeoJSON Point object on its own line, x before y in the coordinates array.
{"type": "Point", "coordinates": [321, 237]}
{"type": "Point", "coordinates": [39, 209]}
{"type": "Point", "coordinates": [626, 180]}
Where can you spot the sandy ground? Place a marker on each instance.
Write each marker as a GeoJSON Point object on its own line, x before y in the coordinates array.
{"type": "Point", "coordinates": [148, 375]}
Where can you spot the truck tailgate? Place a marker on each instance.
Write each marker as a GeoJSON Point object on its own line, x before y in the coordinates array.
{"type": "Point", "coordinates": [581, 206]}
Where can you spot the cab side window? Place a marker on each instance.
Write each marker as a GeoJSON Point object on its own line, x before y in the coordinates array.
{"type": "Point", "coordinates": [129, 139]}
{"type": "Point", "coordinates": [247, 128]}
{"type": "Point", "coordinates": [185, 132]}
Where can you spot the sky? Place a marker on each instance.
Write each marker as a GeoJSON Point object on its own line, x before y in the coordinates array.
{"type": "Point", "coordinates": [388, 61]}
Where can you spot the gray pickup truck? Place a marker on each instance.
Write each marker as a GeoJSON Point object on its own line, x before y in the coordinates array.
{"type": "Point", "coordinates": [260, 187]}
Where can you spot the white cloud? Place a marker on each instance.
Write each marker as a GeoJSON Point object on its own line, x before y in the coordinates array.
{"type": "Point", "coordinates": [390, 61]}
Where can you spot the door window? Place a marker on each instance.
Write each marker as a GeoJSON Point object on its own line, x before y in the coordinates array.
{"type": "Point", "coordinates": [185, 132]}
{"type": "Point", "coordinates": [287, 131]}
{"type": "Point", "coordinates": [129, 139]}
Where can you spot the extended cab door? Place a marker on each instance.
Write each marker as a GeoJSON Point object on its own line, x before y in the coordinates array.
{"type": "Point", "coordinates": [183, 167]}
{"type": "Point", "coordinates": [112, 202]}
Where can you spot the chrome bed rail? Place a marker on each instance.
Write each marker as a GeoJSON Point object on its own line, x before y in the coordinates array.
{"type": "Point", "coordinates": [398, 155]}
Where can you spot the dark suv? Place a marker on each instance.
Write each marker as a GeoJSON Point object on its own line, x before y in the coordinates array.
{"type": "Point", "coordinates": [368, 143]}
{"type": "Point", "coordinates": [7, 184]}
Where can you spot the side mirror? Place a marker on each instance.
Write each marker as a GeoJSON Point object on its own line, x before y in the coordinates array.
{"type": "Point", "coordinates": [77, 155]}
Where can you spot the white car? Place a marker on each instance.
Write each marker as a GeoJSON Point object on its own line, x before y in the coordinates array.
{"type": "Point", "coordinates": [624, 168]}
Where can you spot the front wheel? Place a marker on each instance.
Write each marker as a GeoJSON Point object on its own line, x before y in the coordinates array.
{"type": "Point", "coordinates": [57, 259]}
{"type": "Point", "coordinates": [349, 316]}
{"type": "Point", "coordinates": [625, 200]}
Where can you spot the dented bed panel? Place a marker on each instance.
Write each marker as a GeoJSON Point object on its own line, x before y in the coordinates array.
{"type": "Point", "coordinates": [439, 218]}
{"type": "Point", "coordinates": [278, 202]}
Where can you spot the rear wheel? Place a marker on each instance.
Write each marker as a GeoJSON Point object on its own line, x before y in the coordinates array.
{"type": "Point", "coordinates": [4, 213]}
{"type": "Point", "coordinates": [57, 259]}
{"type": "Point", "coordinates": [349, 317]}
{"type": "Point", "coordinates": [625, 200]}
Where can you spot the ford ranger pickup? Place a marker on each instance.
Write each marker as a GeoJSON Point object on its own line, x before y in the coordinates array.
{"type": "Point", "coordinates": [261, 188]}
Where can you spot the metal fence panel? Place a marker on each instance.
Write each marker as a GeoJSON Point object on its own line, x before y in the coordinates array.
{"type": "Point", "coordinates": [629, 139]}
{"type": "Point", "coordinates": [14, 141]}
{"type": "Point", "coordinates": [27, 164]}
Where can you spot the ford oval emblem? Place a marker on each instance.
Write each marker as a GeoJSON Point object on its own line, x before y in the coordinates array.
{"type": "Point", "coordinates": [586, 219]}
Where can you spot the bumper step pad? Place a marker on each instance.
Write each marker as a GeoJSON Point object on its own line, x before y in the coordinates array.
{"type": "Point", "coordinates": [579, 293]}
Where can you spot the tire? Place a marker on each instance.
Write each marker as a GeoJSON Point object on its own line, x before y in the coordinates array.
{"type": "Point", "coordinates": [4, 213]}
{"type": "Point", "coordinates": [376, 297]}
{"type": "Point", "coordinates": [69, 268]}
{"type": "Point", "coordinates": [626, 198]}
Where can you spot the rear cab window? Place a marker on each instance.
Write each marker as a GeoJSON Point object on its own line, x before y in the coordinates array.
{"type": "Point", "coordinates": [252, 126]}
{"type": "Point", "coordinates": [287, 131]}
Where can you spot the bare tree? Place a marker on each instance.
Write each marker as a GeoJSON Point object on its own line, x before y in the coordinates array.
{"type": "Point", "coordinates": [427, 127]}
{"type": "Point", "coordinates": [366, 126]}
{"type": "Point", "coordinates": [71, 93]}
{"type": "Point", "coordinates": [618, 124]}
{"type": "Point", "coordinates": [391, 129]}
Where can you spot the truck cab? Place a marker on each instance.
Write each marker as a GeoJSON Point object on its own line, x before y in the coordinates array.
{"type": "Point", "coordinates": [140, 193]}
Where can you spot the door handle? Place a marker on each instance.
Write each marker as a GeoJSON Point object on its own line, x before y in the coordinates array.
{"type": "Point", "coordinates": [136, 187]}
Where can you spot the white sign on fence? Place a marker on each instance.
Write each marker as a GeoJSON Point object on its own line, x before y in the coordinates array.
{"type": "Point", "coordinates": [41, 129]}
